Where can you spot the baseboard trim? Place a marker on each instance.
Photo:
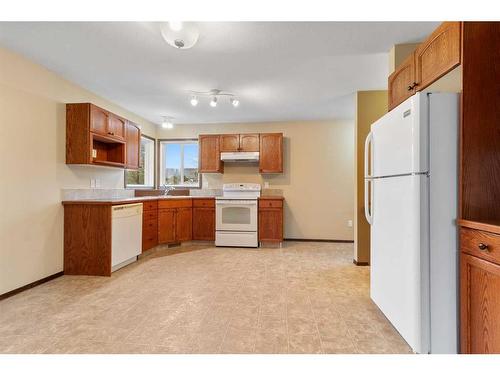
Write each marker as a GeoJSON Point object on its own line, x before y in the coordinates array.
{"type": "Point", "coordinates": [360, 263]}
{"type": "Point", "coordinates": [30, 285]}
{"type": "Point", "coordinates": [317, 240]}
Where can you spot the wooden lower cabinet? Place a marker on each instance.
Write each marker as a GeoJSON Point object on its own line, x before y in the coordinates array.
{"type": "Point", "coordinates": [204, 223]}
{"type": "Point", "coordinates": [149, 225]}
{"type": "Point", "coordinates": [166, 225]}
{"type": "Point", "coordinates": [183, 224]}
{"type": "Point", "coordinates": [480, 305]}
{"type": "Point", "coordinates": [271, 220]}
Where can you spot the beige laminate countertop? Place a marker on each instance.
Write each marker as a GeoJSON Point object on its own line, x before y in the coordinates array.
{"type": "Point", "coordinates": [135, 199]}
{"type": "Point", "coordinates": [117, 201]}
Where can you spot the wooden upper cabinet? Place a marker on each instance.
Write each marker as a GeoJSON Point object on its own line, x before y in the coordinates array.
{"type": "Point", "coordinates": [99, 119]}
{"type": "Point", "coordinates": [480, 306]}
{"type": "Point", "coordinates": [133, 145]}
{"type": "Point", "coordinates": [116, 126]}
{"type": "Point", "coordinates": [438, 54]}
{"type": "Point", "coordinates": [401, 82]}
{"type": "Point", "coordinates": [271, 153]}
{"type": "Point", "coordinates": [249, 142]}
{"type": "Point", "coordinates": [229, 142]}
{"type": "Point", "coordinates": [209, 154]}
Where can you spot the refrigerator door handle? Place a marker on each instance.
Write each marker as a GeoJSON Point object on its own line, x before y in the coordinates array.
{"type": "Point", "coordinates": [368, 214]}
{"type": "Point", "coordinates": [368, 141]}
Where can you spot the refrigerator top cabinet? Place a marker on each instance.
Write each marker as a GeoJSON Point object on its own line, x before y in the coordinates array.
{"type": "Point", "coordinates": [411, 177]}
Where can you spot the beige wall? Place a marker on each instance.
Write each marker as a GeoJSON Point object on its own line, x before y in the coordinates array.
{"type": "Point", "coordinates": [370, 106]}
{"type": "Point", "coordinates": [398, 53]}
{"type": "Point", "coordinates": [32, 153]}
{"type": "Point", "coordinates": [318, 182]}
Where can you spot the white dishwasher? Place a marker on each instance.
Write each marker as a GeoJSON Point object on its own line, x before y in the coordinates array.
{"type": "Point", "coordinates": [126, 234]}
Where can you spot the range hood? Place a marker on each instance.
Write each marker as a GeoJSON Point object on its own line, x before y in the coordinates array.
{"type": "Point", "coordinates": [240, 156]}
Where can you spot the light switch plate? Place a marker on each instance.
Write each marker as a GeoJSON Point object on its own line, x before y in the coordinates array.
{"type": "Point", "coordinates": [97, 182]}
{"type": "Point", "coordinates": [92, 183]}
{"type": "Point", "coordinates": [266, 185]}
{"type": "Point", "coordinates": [349, 223]}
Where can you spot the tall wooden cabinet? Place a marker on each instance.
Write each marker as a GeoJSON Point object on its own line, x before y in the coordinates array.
{"type": "Point", "coordinates": [480, 188]}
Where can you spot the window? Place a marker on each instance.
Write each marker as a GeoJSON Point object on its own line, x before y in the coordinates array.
{"type": "Point", "coordinates": [145, 175]}
{"type": "Point", "coordinates": [179, 163]}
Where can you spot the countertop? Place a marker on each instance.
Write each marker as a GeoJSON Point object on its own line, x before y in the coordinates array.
{"type": "Point", "coordinates": [149, 198]}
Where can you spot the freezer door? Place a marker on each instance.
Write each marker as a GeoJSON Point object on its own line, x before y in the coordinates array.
{"type": "Point", "coordinates": [399, 140]}
{"type": "Point", "coordinates": [399, 269]}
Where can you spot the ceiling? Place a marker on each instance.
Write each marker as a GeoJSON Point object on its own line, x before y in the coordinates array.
{"type": "Point", "coordinates": [279, 70]}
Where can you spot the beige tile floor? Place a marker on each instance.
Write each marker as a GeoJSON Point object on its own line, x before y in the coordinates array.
{"type": "Point", "coordinates": [303, 298]}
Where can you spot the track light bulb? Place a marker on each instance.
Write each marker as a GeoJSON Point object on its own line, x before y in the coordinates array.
{"type": "Point", "coordinates": [235, 102]}
{"type": "Point", "coordinates": [213, 102]}
{"type": "Point", "coordinates": [194, 101]}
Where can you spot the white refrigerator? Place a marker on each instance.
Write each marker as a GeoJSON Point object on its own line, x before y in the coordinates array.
{"type": "Point", "coordinates": [411, 163]}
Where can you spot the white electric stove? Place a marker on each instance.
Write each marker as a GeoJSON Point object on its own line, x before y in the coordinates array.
{"type": "Point", "coordinates": [236, 215]}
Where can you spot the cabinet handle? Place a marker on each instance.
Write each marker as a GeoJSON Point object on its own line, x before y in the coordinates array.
{"type": "Point", "coordinates": [410, 88]}
{"type": "Point", "coordinates": [483, 247]}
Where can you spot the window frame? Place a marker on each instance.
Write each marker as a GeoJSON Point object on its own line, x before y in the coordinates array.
{"type": "Point", "coordinates": [160, 162]}
{"type": "Point", "coordinates": [145, 187]}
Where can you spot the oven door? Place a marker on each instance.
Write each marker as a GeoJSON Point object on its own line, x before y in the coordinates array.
{"type": "Point", "coordinates": [236, 215]}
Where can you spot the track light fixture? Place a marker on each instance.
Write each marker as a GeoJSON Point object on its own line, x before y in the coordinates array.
{"type": "Point", "coordinates": [167, 122]}
{"type": "Point", "coordinates": [214, 97]}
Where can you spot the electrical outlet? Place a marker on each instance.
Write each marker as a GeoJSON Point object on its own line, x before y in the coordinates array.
{"type": "Point", "coordinates": [97, 182]}
{"type": "Point", "coordinates": [266, 185]}
{"type": "Point", "coordinates": [92, 183]}
{"type": "Point", "coordinates": [349, 223]}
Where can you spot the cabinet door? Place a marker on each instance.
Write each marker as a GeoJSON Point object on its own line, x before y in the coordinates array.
{"type": "Point", "coordinates": [249, 142]}
{"type": "Point", "coordinates": [438, 54]}
{"type": "Point", "coordinates": [229, 142]}
{"type": "Point", "coordinates": [271, 153]}
{"type": "Point", "coordinates": [204, 224]}
{"type": "Point", "coordinates": [116, 126]}
{"type": "Point", "coordinates": [401, 82]}
{"type": "Point", "coordinates": [166, 225]}
{"type": "Point", "coordinates": [271, 224]}
{"type": "Point", "coordinates": [99, 119]}
{"type": "Point", "coordinates": [133, 145]}
{"type": "Point", "coordinates": [184, 224]}
{"type": "Point", "coordinates": [209, 154]}
{"type": "Point", "coordinates": [480, 306]}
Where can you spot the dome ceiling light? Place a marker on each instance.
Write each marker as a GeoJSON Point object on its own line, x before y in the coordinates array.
{"type": "Point", "coordinates": [180, 35]}
{"type": "Point", "coordinates": [213, 95]}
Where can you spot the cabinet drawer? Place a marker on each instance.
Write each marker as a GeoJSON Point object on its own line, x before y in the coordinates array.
{"type": "Point", "coordinates": [175, 203]}
{"type": "Point", "coordinates": [150, 225]}
{"type": "Point", "coordinates": [149, 205]}
{"type": "Point", "coordinates": [484, 245]}
{"type": "Point", "coordinates": [149, 215]}
{"type": "Point", "coordinates": [270, 203]}
{"type": "Point", "coordinates": [149, 241]}
{"type": "Point", "coordinates": [203, 202]}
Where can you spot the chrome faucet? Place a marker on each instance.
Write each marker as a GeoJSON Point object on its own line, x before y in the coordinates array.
{"type": "Point", "coordinates": [168, 189]}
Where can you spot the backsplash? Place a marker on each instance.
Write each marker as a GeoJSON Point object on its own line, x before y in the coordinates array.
{"type": "Point", "coordinates": [77, 194]}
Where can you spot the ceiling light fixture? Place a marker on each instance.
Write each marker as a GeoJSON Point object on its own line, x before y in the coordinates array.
{"type": "Point", "coordinates": [167, 122]}
{"type": "Point", "coordinates": [213, 102]}
{"type": "Point", "coordinates": [175, 25]}
{"type": "Point", "coordinates": [213, 95]}
{"type": "Point", "coordinates": [181, 35]}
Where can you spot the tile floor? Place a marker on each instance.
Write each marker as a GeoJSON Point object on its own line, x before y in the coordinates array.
{"type": "Point", "coordinates": [303, 298]}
